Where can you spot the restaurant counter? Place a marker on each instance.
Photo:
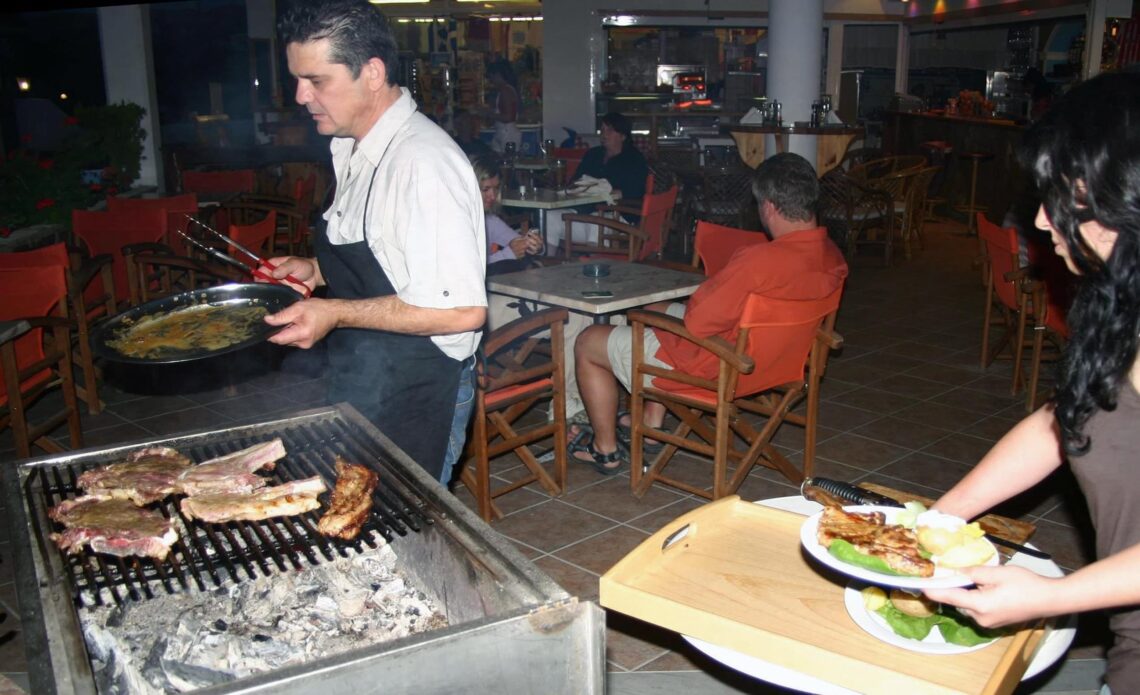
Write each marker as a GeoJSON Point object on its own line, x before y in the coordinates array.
{"type": "Point", "coordinates": [1000, 180]}
{"type": "Point", "coordinates": [832, 140]}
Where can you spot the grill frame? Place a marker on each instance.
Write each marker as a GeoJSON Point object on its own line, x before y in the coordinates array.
{"type": "Point", "coordinates": [489, 591]}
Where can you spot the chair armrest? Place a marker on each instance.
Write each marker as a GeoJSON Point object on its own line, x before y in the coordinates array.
{"type": "Point", "coordinates": [88, 268]}
{"type": "Point", "coordinates": [830, 338]}
{"type": "Point", "coordinates": [716, 345]}
{"type": "Point", "coordinates": [605, 222]}
{"type": "Point", "coordinates": [505, 335]}
{"type": "Point", "coordinates": [10, 330]}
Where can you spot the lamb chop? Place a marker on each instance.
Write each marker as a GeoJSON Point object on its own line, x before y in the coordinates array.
{"type": "Point", "coordinates": [113, 525]}
{"type": "Point", "coordinates": [232, 473]}
{"type": "Point", "coordinates": [351, 501]}
{"type": "Point", "coordinates": [287, 499]}
{"type": "Point", "coordinates": [146, 476]}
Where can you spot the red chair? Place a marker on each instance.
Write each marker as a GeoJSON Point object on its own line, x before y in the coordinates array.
{"type": "Point", "coordinates": [33, 363]}
{"type": "Point", "coordinates": [573, 157]}
{"type": "Point", "coordinates": [1005, 278]}
{"type": "Point", "coordinates": [230, 181]}
{"type": "Point", "coordinates": [257, 237]}
{"type": "Point", "coordinates": [779, 357]}
{"type": "Point", "coordinates": [178, 209]}
{"type": "Point", "coordinates": [621, 240]}
{"type": "Point", "coordinates": [108, 232]}
{"type": "Point", "coordinates": [1051, 294]}
{"type": "Point", "coordinates": [89, 291]}
{"type": "Point", "coordinates": [714, 245]}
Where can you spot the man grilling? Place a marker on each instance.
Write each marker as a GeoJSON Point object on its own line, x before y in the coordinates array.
{"type": "Point", "coordinates": [403, 252]}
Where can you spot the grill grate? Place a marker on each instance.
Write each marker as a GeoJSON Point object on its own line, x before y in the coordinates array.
{"type": "Point", "coordinates": [208, 555]}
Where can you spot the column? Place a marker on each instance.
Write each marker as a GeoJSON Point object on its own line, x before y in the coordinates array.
{"type": "Point", "coordinates": [128, 75]}
{"type": "Point", "coordinates": [795, 51]}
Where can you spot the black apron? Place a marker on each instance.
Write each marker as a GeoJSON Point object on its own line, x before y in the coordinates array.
{"type": "Point", "coordinates": [403, 384]}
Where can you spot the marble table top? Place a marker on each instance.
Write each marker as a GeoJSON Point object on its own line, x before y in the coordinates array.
{"type": "Point", "coordinates": [547, 199]}
{"type": "Point", "coordinates": [632, 285]}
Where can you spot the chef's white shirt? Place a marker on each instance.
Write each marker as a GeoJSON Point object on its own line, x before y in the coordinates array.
{"type": "Point", "coordinates": [425, 214]}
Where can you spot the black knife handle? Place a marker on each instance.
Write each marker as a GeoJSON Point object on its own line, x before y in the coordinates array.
{"type": "Point", "coordinates": [849, 492]}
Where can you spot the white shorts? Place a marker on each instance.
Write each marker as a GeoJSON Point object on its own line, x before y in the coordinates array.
{"type": "Point", "coordinates": [619, 349]}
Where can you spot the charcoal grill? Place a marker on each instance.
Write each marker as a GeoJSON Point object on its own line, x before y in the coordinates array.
{"type": "Point", "coordinates": [509, 625]}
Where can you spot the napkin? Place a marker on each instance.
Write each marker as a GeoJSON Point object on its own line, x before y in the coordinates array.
{"type": "Point", "coordinates": [589, 184]}
{"type": "Point", "coordinates": [754, 116]}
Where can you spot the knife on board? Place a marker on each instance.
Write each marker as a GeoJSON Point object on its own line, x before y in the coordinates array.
{"type": "Point", "coordinates": [846, 492]}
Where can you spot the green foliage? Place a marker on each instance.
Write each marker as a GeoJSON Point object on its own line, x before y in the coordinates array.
{"type": "Point", "coordinates": [44, 189]}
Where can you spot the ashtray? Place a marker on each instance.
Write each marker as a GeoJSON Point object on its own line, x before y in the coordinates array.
{"type": "Point", "coordinates": [596, 270]}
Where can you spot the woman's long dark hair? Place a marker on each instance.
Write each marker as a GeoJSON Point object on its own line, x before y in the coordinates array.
{"type": "Point", "coordinates": [1085, 157]}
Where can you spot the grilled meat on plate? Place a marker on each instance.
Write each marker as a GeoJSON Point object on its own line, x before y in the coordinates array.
{"type": "Point", "coordinates": [351, 501]}
{"type": "Point", "coordinates": [287, 499]}
{"type": "Point", "coordinates": [113, 525]}
{"type": "Point", "coordinates": [232, 473]}
{"type": "Point", "coordinates": [146, 476]}
{"type": "Point", "coordinates": [871, 535]}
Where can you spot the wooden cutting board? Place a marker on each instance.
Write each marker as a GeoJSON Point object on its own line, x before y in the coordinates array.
{"type": "Point", "coordinates": [733, 574]}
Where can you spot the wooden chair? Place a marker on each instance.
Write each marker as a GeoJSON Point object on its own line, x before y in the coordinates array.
{"type": "Point", "coordinates": [1005, 293]}
{"type": "Point", "coordinates": [619, 239]}
{"type": "Point", "coordinates": [289, 224]}
{"type": "Point", "coordinates": [108, 232]}
{"type": "Point", "coordinates": [855, 214]}
{"type": "Point", "coordinates": [1051, 287]}
{"type": "Point", "coordinates": [512, 378]}
{"type": "Point", "coordinates": [178, 208]}
{"type": "Point", "coordinates": [778, 359]}
{"type": "Point", "coordinates": [914, 211]}
{"type": "Point", "coordinates": [725, 195]}
{"type": "Point", "coordinates": [38, 361]}
{"type": "Point", "coordinates": [155, 270]}
{"type": "Point", "coordinates": [877, 168]}
{"type": "Point", "coordinates": [89, 298]}
{"type": "Point", "coordinates": [715, 244]}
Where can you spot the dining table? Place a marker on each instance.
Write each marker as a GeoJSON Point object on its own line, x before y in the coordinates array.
{"type": "Point", "coordinates": [626, 286]}
{"type": "Point", "coordinates": [545, 199]}
{"type": "Point", "coordinates": [736, 581]}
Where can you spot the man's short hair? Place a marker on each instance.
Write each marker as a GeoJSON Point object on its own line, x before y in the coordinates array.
{"type": "Point", "coordinates": [789, 182]}
{"type": "Point", "coordinates": [485, 164]}
{"type": "Point", "coordinates": [356, 29]}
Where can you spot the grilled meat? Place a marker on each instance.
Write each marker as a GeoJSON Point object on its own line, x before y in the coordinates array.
{"type": "Point", "coordinates": [113, 525]}
{"type": "Point", "coordinates": [351, 501]}
{"type": "Point", "coordinates": [287, 499]}
{"type": "Point", "coordinates": [146, 476]}
{"type": "Point", "coordinates": [232, 473]}
{"type": "Point", "coordinates": [871, 535]}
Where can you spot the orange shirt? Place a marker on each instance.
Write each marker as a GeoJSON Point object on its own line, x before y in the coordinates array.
{"type": "Point", "coordinates": [800, 265]}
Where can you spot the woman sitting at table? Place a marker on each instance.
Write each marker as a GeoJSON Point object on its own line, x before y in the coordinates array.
{"type": "Point", "coordinates": [617, 161]}
{"type": "Point", "coordinates": [507, 250]}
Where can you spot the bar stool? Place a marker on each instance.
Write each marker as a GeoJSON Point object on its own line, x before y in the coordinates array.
{"type": "Point", "coordinates": [972, 208]}
{"type": "Point", "coordinates": [937, 154]}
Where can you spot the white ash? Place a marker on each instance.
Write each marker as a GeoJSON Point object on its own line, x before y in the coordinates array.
{"type": "Point", "coordinates": [183, 642]}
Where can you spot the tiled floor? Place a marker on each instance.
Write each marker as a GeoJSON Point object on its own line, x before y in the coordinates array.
{"type": "Point", "coordinates": [904, 404]}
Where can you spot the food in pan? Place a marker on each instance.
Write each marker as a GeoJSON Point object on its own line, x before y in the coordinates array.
{"type": "Point", "coordinates": [287, 499]}
{"type": "Point", "coordinates": [146, 476]}
{"type": "Point", "coordinates": [113, 525]}
{"type": "Point", "coordinates": [914, 616]}
{"type": "Point", "coordinates": [234, 473]}
{"type": "Point", "coordinates": [204, 327]}
{"type": "Point", "coordinates": [866, 540]}
{"type": "Point", "coordinates": [351, 501]}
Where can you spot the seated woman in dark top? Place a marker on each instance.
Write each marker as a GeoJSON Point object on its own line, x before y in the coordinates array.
{"type": "Point", "coordinates": [617, 161]}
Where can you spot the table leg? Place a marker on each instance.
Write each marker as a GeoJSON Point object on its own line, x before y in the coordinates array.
{"type": "Point", "coordinates": [602, 319]}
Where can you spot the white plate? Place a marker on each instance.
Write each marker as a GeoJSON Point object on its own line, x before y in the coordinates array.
{"type": "Point", "coordinates": [875, 625]}
{"type": "Point", "coordinates": [944, 578]}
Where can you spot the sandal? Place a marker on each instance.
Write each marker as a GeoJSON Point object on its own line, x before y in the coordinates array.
{"type": "Point", "coordinates": [583, 442]}
{"type": "Point", "coordinates": [625, 438]}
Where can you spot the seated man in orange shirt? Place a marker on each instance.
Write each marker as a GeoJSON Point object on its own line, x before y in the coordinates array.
{"type": "Point", "coordinates": [800, 262]}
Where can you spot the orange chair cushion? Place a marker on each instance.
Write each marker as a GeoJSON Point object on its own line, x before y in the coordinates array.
{"type": "Point", "coordinates": [493, 398]}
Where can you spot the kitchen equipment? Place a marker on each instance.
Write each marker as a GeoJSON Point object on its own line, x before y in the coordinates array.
{"type": "Point", "coordinates": [509, 625]}
{"type": "Point", "coordinates": [236, 297]}
{"type": "Point", "coordinates": [686, 81]}
{"type": "Point", "coordinates": [252, 256]}
{"type": "Point", "coordinates": [854, 494]}
{"type": "Point", "coordinates": [732, 573]}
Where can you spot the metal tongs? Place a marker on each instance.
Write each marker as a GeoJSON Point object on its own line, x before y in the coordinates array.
{"type": "Point", "coordinates": [226, 258]}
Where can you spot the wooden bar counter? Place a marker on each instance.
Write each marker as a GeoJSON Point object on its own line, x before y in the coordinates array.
{"type": "Point", "coordinates": [1000, 180]}
{"type": "Point", "coordinates": [833, 142]}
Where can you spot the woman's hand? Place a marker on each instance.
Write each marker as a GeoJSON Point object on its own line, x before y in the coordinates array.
{"type": "Point", "coordinates": [519, 246]}
{"type": "Point", "coordinates": [1004, 595]}
{"type": "Point", "coordinates": [534, 243]}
